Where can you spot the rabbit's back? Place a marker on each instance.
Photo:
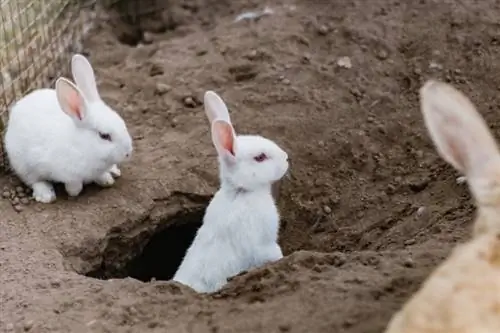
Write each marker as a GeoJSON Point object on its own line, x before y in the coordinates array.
{"type": "Point", "coordinates": [36, 117]}
{"type": "Point", "coordinates": [38, 137]}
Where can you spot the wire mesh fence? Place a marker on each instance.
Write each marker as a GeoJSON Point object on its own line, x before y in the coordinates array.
{"type": "Point", "coordinates": [38, 38]}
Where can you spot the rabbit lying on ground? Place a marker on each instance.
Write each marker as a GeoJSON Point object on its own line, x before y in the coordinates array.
{"type": "Point", "coordinates": [240, 226]}
{"type": "Point", "coordinates": [463, 293]}
{"type": "Point", "coordinates": [66, 135]}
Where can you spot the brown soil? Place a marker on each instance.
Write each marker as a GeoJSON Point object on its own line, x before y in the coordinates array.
{"type": "Point", "coordinates": [370, 209]}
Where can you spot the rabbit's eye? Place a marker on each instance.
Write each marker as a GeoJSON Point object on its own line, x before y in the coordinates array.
{"type": "Point", "coordinates": [260, 158]}
{"type": "Point", "coordinates": [105, 136]}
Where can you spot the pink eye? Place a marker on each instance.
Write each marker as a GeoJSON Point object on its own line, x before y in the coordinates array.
{"type": "Point", "coordinates": [260, 158]}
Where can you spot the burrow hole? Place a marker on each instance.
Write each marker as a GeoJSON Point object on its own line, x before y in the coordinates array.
{"type": "Point", "coordinates": [149, 254]}
{"type": "Point", "coordinates": [132, 21]}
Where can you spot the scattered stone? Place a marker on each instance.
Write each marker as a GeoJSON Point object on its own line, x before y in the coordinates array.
{"type": "Point", "coordinates": [18, 208]}
{"type": "Point", "coordinates": [6, 194]}
{"type": "Point", "coordinates": [409, 263]}
{"type": "Point", "coordinates": [19, 189]}
{"type": "Point", "coordinates": [323, 30]}
{"type": "Point", "coordinates": [410, 242]}
{"type": "Point", "coordinates": [162, 88]}
{"type": "Point", "coordinates": [420, 211]}
{"type": "Point", "coordinates": [327, 209]}
{"type": "Point", "coordinates": [252, 54]}
{"type": "Point", "coordinates": [147, 37]}
{"type": "Point", "coordinates": [24, 201]}
{"type": "Point", "coordinates": [173, 123]}
{"type": "Point", "coordinates": [344, 62]}
{"type": "Point", "coordinates": [55, 283]}
{"type": "Point", "coordinates": [435, 65]}
{"type": "Point", "coordinates": [189, 102]}
{"type": "Point", "coordinates": [15, 201]}
{"type": "Point", "coordinates": [382, 54]}
{"type": "Point", "coordinates": [28, 325]}
{"type": "Point", "coordinates": [286, 81]}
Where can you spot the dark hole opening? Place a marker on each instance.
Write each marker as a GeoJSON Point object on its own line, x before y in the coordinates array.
{"type": "Point", "coordinates": [161, 255]}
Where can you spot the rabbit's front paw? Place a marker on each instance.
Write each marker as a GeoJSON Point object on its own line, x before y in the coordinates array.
{"type": "Point", "coordinates": [43, 192]}
{"type": "Point", "coordinates": [115, 172]}
{"type": "Point", "coordinates": [105, 180]}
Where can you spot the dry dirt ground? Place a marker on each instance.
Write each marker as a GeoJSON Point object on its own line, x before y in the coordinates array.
{"type": "Point", "coordinates": [369, 211]}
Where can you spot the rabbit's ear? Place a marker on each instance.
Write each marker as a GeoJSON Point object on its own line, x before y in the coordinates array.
{"type": "Point", "coordinates": [70, 99]}
{"type": "Point", "coordinates": [224, 139]}
{"type": "Point", "coordinates": [84, 76]}
{"type": "Point", "coordinates": [215, 108]}
{"type": "Point", "coordinates": [460, 134]}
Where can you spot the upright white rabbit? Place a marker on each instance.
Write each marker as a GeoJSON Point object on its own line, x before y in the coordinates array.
{"type": "Point", "coordinates": [67, 135]}
{"type": "Point", "coordinates": [241, 223]}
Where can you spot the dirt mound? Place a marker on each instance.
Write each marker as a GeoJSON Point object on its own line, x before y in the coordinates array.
{"type": "Point", "coordinates": [370, 209]}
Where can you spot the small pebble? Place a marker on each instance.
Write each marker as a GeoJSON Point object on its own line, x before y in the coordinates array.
{"type": "Point", "coordinates": [252, 54]}
{"type": "Point", "coordinates": [323, 30]}
{"type": "Point", "coordinates": [189, 102]}
{"type": "Point", "coordinates": [409, 263]}
{"type": "Point", "coordinates": [5, 194]}
{"type": "Point", "coordinates": [286, 81]}
{"type": "Point", "coordinates": [382, 54]}
{"type": "Point", "coordinates": [327, 209]}
{"type": "Point", "coordinates": [15, 200]}
{"type": "Point", "coordinates": [18, 208]}
{"type": "Point", "coordinates": [420, 211]}
{"type": "Point", "coordinates": [28, 325]}
{"type": "Point", "coordinates": [410, 242]}
{"type": "Point", "coordinates": [344, 62]}
{"type": "Point", "coordinates": [20, 189]}
{"type": "Point", "coordinates": [24, 201]}
{"type": "Point", "coordinates": [56, 283]}
{"type": "Point", "coordinates": [147, 37]}
{"type": "Point", "coordinates": [162, 88]}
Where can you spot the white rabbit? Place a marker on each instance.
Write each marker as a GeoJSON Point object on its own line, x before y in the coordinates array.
{"type": "Point", "coordinates": [67, 135]}
{"type": "Point", "coordinates": [240, 226]}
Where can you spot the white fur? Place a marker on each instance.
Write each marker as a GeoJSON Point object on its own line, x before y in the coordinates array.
{"type": "Point", "coordinates": [241, 223]}
{"type": "Point", "coordinates": [46, 141]}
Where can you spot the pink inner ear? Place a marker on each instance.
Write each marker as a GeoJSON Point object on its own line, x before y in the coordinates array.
{"type": "Point", "coordinates": [226, 138]}
{"type": "Point", "coordinates": [75, 103]}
